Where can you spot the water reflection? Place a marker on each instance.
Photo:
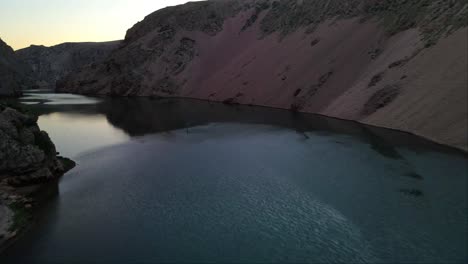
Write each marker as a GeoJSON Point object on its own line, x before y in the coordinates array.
{"type": "Point", "coordinates": [114, 120]}
{"type": "Point", "coordinates": [65, 116]}
{"type": "Point", "coordinates": [186, 180]}
{"type": "Point", "coordinates": [76, 133]}
{"type": "Point", "coordinates": [143, 116]}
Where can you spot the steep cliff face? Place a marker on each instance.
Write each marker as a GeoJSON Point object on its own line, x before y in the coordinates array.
{"type": "Point", "coordinates": [50, 64]}
{"type": "Point", "coordinates": [13, 73]}
{"type": "Point", "coordinates": [397, 64]}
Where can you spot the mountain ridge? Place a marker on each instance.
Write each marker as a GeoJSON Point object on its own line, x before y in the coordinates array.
{"type": "Point", "coordinates": [13, 73]}
{"type": "Point", "coordinates": [50, 64]}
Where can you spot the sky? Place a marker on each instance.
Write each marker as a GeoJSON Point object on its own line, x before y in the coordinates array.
{"type": "Point", "coordinates": [51, 22]}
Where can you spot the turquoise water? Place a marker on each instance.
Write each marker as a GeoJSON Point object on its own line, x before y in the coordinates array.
{"type": "Point", "coordinates": [188, 181]}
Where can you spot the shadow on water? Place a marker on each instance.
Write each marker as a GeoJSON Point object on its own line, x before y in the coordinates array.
{"type": "Point", "coordinates": [45, 197]}
{"type": "Point", "coordinates": [142, 116]}
{"type": "Point", "coordinates": [380, 145]}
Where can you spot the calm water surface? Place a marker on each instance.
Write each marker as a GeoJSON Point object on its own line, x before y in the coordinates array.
{"type": "Point", "coordinates": [188, 181]}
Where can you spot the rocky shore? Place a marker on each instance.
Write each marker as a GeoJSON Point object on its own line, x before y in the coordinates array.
{"type": "Point", "coordinates": [28, 161]}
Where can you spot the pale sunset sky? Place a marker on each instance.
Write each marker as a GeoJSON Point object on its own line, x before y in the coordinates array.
{"type": "Point", "coordinates": [51, 22]}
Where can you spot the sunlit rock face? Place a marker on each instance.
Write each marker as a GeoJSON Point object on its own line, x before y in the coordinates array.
{"type": "Point", "coordinates": [396, 64]}
{"type": "Point", "coordinates": [13, 73]}
{"type": "Point", "coordinates": [51, 64]}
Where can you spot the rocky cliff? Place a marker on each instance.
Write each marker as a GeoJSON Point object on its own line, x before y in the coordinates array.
{"type": "Point", "coordinates": [397, 64]}
{"type": "Point", "coordinates": [13, 73]}
{"type": "Point", "coordinates": [27, 158]}
{"type": "Point", "coordinates": [51, 64]}
{"type": "Point", "coordinates": [27, 155]}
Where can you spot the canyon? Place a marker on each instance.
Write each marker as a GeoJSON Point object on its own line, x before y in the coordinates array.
{"type": "Point", "coordinates": [205, 85]}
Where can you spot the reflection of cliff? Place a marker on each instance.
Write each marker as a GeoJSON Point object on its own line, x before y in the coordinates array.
{"type": "Point", "coordinates": [45, 109]}
{"type": "Point", "coordinates": [141, 116]}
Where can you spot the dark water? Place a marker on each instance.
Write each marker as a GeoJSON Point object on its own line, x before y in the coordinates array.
{"type": "Point", "coordinates": [189, 181]}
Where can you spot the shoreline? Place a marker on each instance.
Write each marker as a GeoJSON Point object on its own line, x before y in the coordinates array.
{"type": "Point", "coordinates": [16, 213]}
{"type": "Point", "coordinates": [6, 221]}
{"type": "Point", "coordinates": [19, 208]}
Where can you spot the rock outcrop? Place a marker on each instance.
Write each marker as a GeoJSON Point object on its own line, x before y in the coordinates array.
{"type": "Point", "coordinates": [27, 158]}
{"type": "Point", "coordinates": [27, 155]}
{"type": "Point", "coordinates": [51, 64]}
{"type": "Point", "coordinates": [14, 75]}
{"type": "Point", "coordinates": [396, 64]}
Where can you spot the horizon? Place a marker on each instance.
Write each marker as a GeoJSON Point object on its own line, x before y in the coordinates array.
{"type": "Point", "coordinates": [48, 23]}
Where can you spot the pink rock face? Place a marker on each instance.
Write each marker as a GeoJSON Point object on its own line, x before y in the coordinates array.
{"type": "Point", "coordinates": [348, 68]}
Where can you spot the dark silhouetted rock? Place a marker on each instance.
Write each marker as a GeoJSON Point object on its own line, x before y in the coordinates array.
{"type": "Point", "coordinates": [14, 75]}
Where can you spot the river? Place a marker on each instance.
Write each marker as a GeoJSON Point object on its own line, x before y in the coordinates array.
{"type": "Point", "coordinates": [175, 180]}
